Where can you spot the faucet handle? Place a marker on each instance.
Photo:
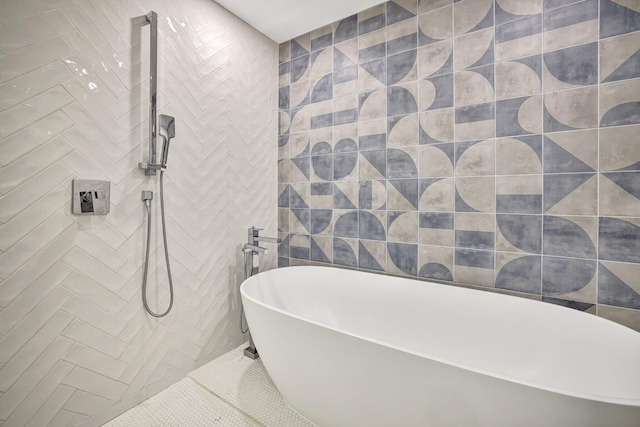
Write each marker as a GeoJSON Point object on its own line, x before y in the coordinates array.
{"type": "Point", "coordinates": [253, 232]}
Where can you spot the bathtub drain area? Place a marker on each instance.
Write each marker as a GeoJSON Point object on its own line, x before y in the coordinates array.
{"type": "Point", "coordinates": [231, 390]}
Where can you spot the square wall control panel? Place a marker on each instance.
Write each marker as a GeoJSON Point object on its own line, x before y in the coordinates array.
{"type": "Point", "coordinates": [90, 197]}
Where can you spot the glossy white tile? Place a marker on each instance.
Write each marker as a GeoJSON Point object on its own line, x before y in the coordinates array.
{"type": "Point", "coordinates": [46, 413]}
{"type": "Point", "coordinates": [32, 189]}
{"type": "Point", "coordinates": [42, 388]}
{"type": "Point", "coordinates": [65, 418]}
{"type": "Point", "coordinates": [33, 83]}
{"type": "Point", "coordinates": [91, 313]}
{"type": "Point", "coordinates": [96, 18]}
{"type": "Point", "coordinates": [115, 409]}
{"type": "Point", "coordinates": [32, 57]}
{"type": "Point", "coordinates": [20, 307]}
{"type": "Point", "coordinates": [46, 313]}
{"type": "Point", "coordinates": [94, 292]}
{"type": "Point", "coordinates": [30, 164]}
{"type": "Point", "coordinates": [86, 126]}
{"type": "Point", "coordinates": [95, 154]}
{"type": "Point", "coordinates": [133, 357]}
{"type": "Point", "coordinates": [110, 42]}
{"type": "Point", "coordinates": [91, 105]}
{"type": "Point", "coordinates": [18, 10]}
{"type": "Point", "coordinates": [85, 380]}
{"type": "Point", "coordinates": [32, 270]}
{"type": "Point", "coordinates": [33, 215]}
{"type": "Point", "coordinates": [74, 104]}
{"type": "Point", "coordinates": [107, 71]}
{"type": "Point", "coordinates": [44, 27]}
{"type": "Point", "coordinates": [93, 268]}
{"type": "Point", "coordinates": [40, 355]}
{"type": "Point", "coordinates": [33, 109]}
{"type": "Point", "coordinates": [99, 250]}
{"type": "Point", "coordinates": [146, 370]}
{"type": "Point", "coordinates": [92, 83]}
{"type": "Point", "coordinates": [86, 403]}
{"type": "Point", "coordinates": [94, 338]}
{"type": "Point", "coordinates": [108, 9]}
{"type": "Point", "coordinates": [32, 136]}
{"type": "Point", "coordinates": [94, 361]}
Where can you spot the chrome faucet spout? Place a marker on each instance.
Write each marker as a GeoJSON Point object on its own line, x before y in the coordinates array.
{"type": "Point", "coordinates": [267, 239]}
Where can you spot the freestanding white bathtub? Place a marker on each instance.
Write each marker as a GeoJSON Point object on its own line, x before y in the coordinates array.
{"type": "Point", "coordinates": [348, 348]}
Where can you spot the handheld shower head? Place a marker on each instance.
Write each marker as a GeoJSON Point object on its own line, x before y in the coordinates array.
{"type": "Point", "coordinates": [168, 126]}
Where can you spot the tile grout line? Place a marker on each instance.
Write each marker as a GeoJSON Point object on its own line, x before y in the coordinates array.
{"type": "Point", "coordinates": [495, 154]}
{"type": "Point", "coordinates": [455, 142]}
{"type": "Point", "coordinates": [597, 236]}
{"type": "Point", "coordinates": [542, 145]}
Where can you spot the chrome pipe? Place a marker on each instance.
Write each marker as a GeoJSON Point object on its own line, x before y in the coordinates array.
{"type": "Point", "coordinates": [152, 18]}
{"type": "Point", "coordinates": [250, 249]}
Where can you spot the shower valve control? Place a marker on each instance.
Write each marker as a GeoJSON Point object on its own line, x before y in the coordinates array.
{"type": "Point", "coordinates": [90, 197]}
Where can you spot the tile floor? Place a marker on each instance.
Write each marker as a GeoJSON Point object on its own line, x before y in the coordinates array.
{"type": "Point", "coordinates": [231, 390]}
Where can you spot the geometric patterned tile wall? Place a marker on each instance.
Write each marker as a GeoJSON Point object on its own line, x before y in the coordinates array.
{"type": "Point", "coordinates": [487, 143]}
{"type": "Point", "coordinates": [76, 346]}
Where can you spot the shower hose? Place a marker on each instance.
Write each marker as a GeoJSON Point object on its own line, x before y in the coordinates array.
{"type": "Point", "coordinates": [166, 254]}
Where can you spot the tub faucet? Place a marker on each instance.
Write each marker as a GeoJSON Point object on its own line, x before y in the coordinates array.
{"type": "Point", "coordinates": [252, 246]}
{"type": "Point", "coordinates": [253, 242]}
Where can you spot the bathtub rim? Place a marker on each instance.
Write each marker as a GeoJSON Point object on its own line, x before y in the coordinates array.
{"type": "Point", "coordinates": [634, 402]}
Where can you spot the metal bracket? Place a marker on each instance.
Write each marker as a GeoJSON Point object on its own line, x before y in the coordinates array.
{"type": "Point", "coordinates": [251, 353]}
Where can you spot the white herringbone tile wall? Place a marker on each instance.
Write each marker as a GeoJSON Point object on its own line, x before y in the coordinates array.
{"type": "Point", "coordinates": [76, 346]}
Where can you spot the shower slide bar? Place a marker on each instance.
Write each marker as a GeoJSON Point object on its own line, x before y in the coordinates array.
{"type": "Point", "coordinates": [166, 132]}
{"type": "Point", "coordinates": [151, 166]}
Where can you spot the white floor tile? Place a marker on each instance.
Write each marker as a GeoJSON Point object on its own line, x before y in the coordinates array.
{"type": "Point", "coordinates": [231, 390]}
{"type": "Point", "coordinates": [183, 404]}
{"type": "Point", "coordinates": [245, 384]}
